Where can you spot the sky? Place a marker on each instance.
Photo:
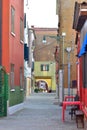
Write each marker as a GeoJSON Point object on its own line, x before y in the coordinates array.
{"type": "Point", "coordinates": [42, 13]}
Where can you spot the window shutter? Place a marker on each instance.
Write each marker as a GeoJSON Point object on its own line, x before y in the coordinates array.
{"type": "Point", "coordinates": [47, 67]}
{"type": "Point", "coordinates": [41, 67]}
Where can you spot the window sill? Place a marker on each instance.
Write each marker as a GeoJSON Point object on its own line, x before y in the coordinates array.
{"type": "Point", "coordinates": [21, 42]}
{"type": "Point", "coordinates": [21, 89]}
{"type": "Point", "coordinates": [12, 90]}
{"type": "Point", "coordinates": [13, 34]}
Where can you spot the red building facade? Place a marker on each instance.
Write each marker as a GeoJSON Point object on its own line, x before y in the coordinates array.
{"type": "Point", "coordinates": [12, 47]}
{"type": "Point", "coordinates": [80, 25]}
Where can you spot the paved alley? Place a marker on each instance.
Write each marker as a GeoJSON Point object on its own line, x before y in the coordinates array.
{"type": "Point", "coordinates": [41, 112]}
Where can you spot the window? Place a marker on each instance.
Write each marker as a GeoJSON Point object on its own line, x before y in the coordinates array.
{"type": "Point", "coordinates": [12, 76]}
{"type": "Point", "coordinates": [45, 67]}
{"type": "Point", "coordinates": [24, 20]}
{"type": "Point", "coordinates": [21, 30]}
{"type": "Point", "coordinates": [12, 19]}
{"type": "Point", "coordinates": [21, 77]}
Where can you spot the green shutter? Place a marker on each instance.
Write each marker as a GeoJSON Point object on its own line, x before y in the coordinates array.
{"type": "Point", "coordinates": [47, 67]}
{"type": "Point", "coordinates": [41, 67]}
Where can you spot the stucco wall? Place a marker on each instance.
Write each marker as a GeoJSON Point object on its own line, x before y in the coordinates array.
{"type": "Point", "coordinates": [48, 76]}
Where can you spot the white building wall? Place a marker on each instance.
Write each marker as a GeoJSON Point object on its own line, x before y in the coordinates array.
{"type": "Point", "coordinates": [28, 39]}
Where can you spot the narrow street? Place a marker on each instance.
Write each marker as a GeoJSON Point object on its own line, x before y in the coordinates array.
{"type": "Point", "coordinates": [41, 112]}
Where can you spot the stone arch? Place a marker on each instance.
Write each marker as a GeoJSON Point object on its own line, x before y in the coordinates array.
{"type": "Point", "coordinates": [41, 83]}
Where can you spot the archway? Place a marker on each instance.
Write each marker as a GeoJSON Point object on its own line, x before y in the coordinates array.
{"type": "Point", "coordinates": [42, 85]}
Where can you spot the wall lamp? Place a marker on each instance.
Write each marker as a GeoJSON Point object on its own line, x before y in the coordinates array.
{"type": "Point", "coordinates": [55, 37]}
{"type": "Point", "coordinates": [68, 49]}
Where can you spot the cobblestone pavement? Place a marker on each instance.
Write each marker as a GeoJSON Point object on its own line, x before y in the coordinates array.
{"type": "Point", "coordinates": [41, 112]}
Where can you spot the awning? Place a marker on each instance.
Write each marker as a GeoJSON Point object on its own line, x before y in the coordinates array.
{"type": "Point", "coordinates": [83, 49]}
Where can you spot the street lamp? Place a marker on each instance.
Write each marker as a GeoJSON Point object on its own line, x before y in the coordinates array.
{"type": "Point", "coordinates": [63, 36]}
{"type": "Point", "coordinates": [68, 50]}
{"type": "Point", "coordinates": [58, 37]}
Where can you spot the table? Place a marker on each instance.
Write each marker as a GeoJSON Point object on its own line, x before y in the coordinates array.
{"type": "Point", "coordinates": [68, 103]}
{"type": "Point", "coordinates": [69, 97]}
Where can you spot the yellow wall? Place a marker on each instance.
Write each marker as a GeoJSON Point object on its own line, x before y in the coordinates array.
{"type": "Point", "coordinates": [47, 76]}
